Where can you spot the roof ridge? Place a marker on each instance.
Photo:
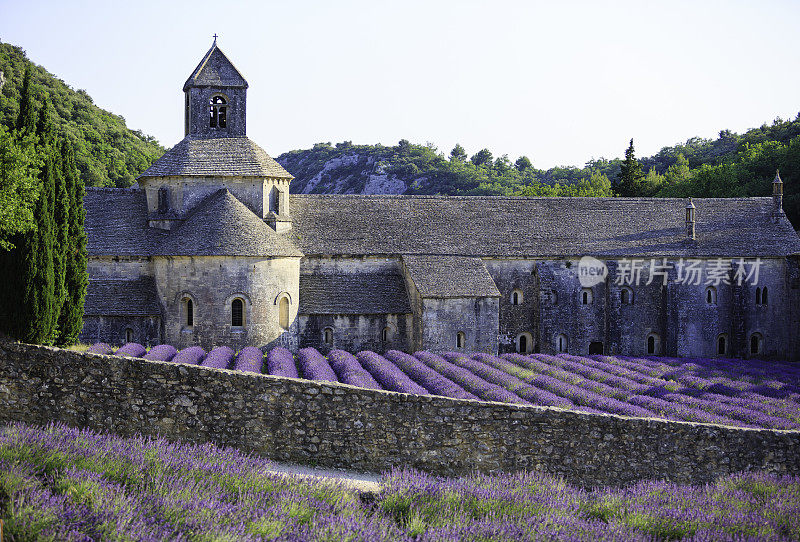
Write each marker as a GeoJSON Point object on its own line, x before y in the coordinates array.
{"type": "Point", "coordinates": [516, 198]}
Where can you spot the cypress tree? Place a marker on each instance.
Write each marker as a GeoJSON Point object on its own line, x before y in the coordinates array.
{"type": "Point", "coordinates": [631, 177]}
{"type": "Point", "coordinates": [61, 212]}
{"type": "Point", "coordinates": [26, 118]}
{"type": "Point", "coordinates": [34, 323]}
{"type": "Point", "coordinates": [70, 320]}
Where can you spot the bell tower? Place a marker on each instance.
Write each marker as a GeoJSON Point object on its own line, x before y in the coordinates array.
{"type": "Point", "coordinates": [216, 98]}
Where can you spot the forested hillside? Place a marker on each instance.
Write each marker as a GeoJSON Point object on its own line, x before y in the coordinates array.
{"type": "Point", "coordinates": [106, 151]}
{"type": "Point", "coordinates": [730, 166]}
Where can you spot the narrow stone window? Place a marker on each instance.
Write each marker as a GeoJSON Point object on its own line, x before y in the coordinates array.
{"type": "Point", "coordinates": [561, 343]}
{"type": "Point", "coordinates": [327, 336]}
{"type": "Point", "coordinates": [275, 201]}
{"type": "Point", "coordinates": [385, 334]}
{"type": "Point", "coordinates": [516, 297]}
{"type": "Point", "coordinates": [524, 343]}
{"type": "Point", "coordinates": [758, 296]}
{"type": "Point", "coordinates": [586, 296]}
{"type": "Point", "coordinates": [626, 296]}
{"type": "Point", "coordinates": [218, 110]}
{"type": "Point", "coordinates": [128, 335]}
{"type": "Point", "coordinates": [764, 296]}
{"type": "Point", "coordinates": [188, 312]}
{"type": "Point", "coordinates": [237, 313]}
{"type": "Point", "coordinates": [722, 345]}
{"type": "Point", "coordinates": [756, 343]}
{"type": "Point", "coordinates": [461, 339]}
{"type": "Point", "coordinates": [653, 344]}
{"type": "Point", "coordinates": [711, 295]}
{"type": "Point", "coordinates": [163, 200]}
{"type": "Point", "coordinates": [283, 312]}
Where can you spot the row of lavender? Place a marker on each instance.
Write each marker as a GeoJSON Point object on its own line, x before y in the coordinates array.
{"type": "Point", "coordinates": [248, 359]}
{"type": "Point", "coordinates": [60, 483]}
{"type": "Point", "coordinates": [729, 392]}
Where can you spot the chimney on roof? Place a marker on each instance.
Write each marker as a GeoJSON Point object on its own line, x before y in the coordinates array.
{"type": "Point", "coordinates": [690, 231]}
{"type": "Point", "coordinates": [777, 194]}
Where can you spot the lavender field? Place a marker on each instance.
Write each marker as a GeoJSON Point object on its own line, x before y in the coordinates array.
{"type": "Point", "coordinates": [58, 483]}
{"type": "Point", "coordinates": [744, 393]}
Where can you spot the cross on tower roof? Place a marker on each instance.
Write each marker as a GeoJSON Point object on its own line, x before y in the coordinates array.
{"type": "Point", "coordinates": [215, 37]}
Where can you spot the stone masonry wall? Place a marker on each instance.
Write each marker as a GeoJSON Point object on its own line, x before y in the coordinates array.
{"type": "Point", "coordinates": [336, 425]}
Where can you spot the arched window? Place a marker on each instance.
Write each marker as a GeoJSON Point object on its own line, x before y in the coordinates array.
{"type": "Point", "coordinates": [626, 296]}
{"type": "Point", "coordinates": [756, 343]}
{"type": "Point", "coordinates": [722, 345]}
{"type": "Point", "coordinates": [758, 296]}
{"type": "Point", "coordinates": [516, 297]}
{"type": "Point", "coordinates": [524, 343]}
{"type": "Point", "coordinates": [385, 334]}
{"type": "Point", "coordinates": [128, 335]}
{"type": "Point", "coordinates": [586, 296]}
{"type": "Point", "coordinates": [461, 339]}
{"type": "Point", "coordinates": [283, 312]}
{"type": "Point", "coordinates": [711, 295]}
{"type": "Point", "coordinates": [188, 312]}
{"type": "Point", "coordinates": [218, 110]}
{"type": "Point", "coordinates": [237, 313]}
{"type": "Point", "coordinates": [327, 335]}
{"type": "Point", "coordinates": [275, 200]}
{"type": "Point", "coordinates": [764, 296]}
{"type": "Point", "coordinates": [653, 344]}
{"type": "Point", "coordinates": [561, 343]}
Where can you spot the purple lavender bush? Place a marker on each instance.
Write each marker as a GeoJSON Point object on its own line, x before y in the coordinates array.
{"type": "Point", "coordinates": [131, 350]}
{"type": "Point", "coordinates": [427, 377]}
{"type": "Point", "coordinates": [162, 352]}
{"type": "Point", "coordinates": [250, 359]}
{"type": "Point", "coordinates": [191, 355]}
{"type": "Point", "coordinates": [314, 366]}
{"type": "Point", "coordinates": [101, 348]}
{"type": "Point", "coordinates": [280, 362]}
{"type": "Point", "coordinates": [468, 380]}
{"type": "Point", "coordinates": [388, 375]}
{"type": "Point", "coordinates": [60, 483]}
{"type": "Point", "coordinates": [350, 371]}
{"type": "Point", "coordinates": [219, 358]}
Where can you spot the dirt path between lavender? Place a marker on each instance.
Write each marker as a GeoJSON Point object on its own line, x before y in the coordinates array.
{"type": "Point", "coordinates": [365, 484]}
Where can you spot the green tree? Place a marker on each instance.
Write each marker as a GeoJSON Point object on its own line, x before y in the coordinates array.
{"type": "Point", "coordinates": [26, 118]}
{"type": "Point", "coordinates": [483, 156]}
{"type": "Point", "coordinates": [523, 163]}
{"type": "Point", "coordinates": [458, 153]}
{"type": "Point", "coordinates": [19, 168]}
{"type": "Point", "coordinates": [31, 310]}
{"type": "Point", "coordinates": [630, 179]}
{"type": "Point", "coordinates": [70, 319]}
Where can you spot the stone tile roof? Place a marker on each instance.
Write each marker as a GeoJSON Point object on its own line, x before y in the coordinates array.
{"type": "Point", "coordinates": [221, 225]}
{"type": "Point", "coordinates": [537, 227]}
{"type": "Point", "coordinates": [450, 276]}
{"type": "Point", "coordinates": [215, 70]}
{"type": "Point", "coordinates": [116, 223]}
{"type": "Point", "coordinates": [358, 293]}
{"type": "Point", "coordinates": [216, 157]}
{"type": "Point", "coordinates": [137, 297]}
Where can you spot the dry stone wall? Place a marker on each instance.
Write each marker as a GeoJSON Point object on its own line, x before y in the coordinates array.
{"type": "Point", "coordinates": [336, 425]}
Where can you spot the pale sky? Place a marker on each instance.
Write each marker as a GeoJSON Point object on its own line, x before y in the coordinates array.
{"type": "Point", "coordinates": [558, 81]}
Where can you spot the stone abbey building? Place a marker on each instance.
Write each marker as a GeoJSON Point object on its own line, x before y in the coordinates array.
{"type": "Point", "coordinates": [211, 249]}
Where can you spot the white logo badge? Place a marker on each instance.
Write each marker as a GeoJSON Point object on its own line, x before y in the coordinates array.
{"type": "Point", "coordinates": [591, 271]}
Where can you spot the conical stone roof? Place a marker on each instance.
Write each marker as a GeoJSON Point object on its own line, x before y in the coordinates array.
{"type": "Point", "coordinates": [221, 225]}
{"type": "Point", "coordinates": [216, 157]}
{"type": "Point", "coordinates": [215, 70]}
